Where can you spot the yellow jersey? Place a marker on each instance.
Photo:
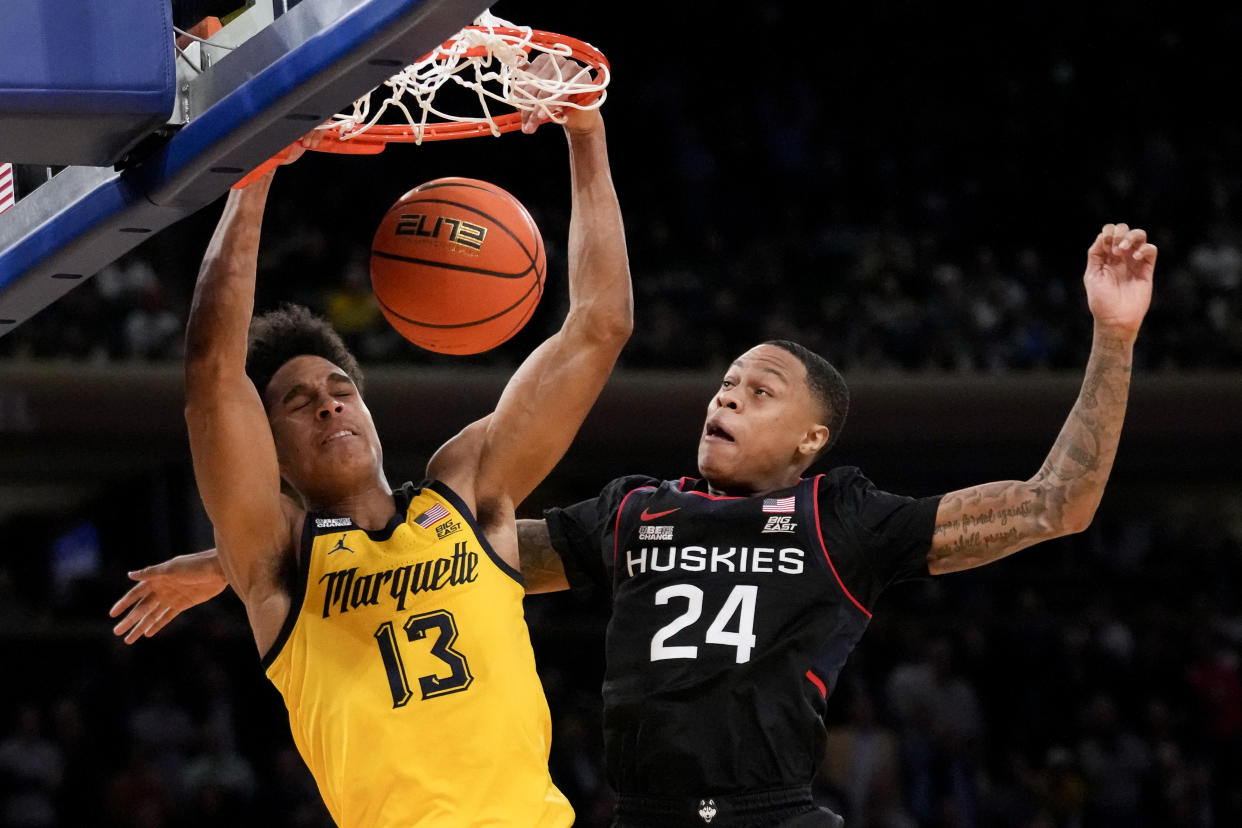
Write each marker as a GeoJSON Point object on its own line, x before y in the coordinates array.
{"type": "Point", "coordinates": [408, 672]}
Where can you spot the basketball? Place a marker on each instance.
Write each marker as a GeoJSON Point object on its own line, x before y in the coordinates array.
{"type": "Point", "coordinates": [457, 265]}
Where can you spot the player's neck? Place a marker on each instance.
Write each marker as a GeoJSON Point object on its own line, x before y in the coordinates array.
{"type": "Point", "coordinates": [754, 488]}
{"type": "Point", "coordinates": [370, 507]}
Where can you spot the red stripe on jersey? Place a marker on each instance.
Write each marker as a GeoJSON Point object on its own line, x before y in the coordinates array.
{"type": "Point", "coordinates": [681, 487]}
{"type": "Point", "coordinates": [818, 682]}
{"type": "Point", "coordinates": [616, 530]}
{"type": "Point", "coordinates": [828, 557]}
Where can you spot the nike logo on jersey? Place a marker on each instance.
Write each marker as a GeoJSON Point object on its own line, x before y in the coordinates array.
{"type": "Point", "coordinates": [653, 515]}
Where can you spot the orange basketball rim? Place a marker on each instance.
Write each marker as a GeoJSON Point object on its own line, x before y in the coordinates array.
{"type": "Point", "coordinates": [492, 59]}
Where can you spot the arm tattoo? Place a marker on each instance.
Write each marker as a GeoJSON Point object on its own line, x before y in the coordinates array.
{"type": "Point", "coordinates": [981, 524]}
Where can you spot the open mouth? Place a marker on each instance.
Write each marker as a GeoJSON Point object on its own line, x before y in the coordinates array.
{"type": "Point", "coordinates": [336, 435]}
{"type": "Point", "coordinates": [718, 433]}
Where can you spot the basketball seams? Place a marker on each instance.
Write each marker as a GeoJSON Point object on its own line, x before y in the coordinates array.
{"type": "Point", "coordinates": [429, 285]}
{"type": "Point", "coordinates": [497, 223]}
{"type": "Point", "coordinates": [530, 310]}
{"type": "Point", "coordinates": [534, 285]}
{"type": "Point", "coordinates": [523, 213]}
{"type": "Point", "coordinates": [477, 271]}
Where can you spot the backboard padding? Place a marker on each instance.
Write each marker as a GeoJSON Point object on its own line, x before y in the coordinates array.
{"type": "Point", "coordinates": [306, 65]}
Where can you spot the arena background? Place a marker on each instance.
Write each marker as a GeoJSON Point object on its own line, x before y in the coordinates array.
{"type": "Point", "coordinates": [908, 189]}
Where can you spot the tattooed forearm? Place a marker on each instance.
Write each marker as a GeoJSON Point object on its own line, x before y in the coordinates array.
{"type": "Point", "coordinates": [975, 548]}
{"type": "Point", "coordinates": [987, 519]}
{"type": "Point", "coordinates": [542, 569]}
{"type": "Point", "coordinates": [1083, 454]}
{"type": "Point", "coordinates": [978, 525]}
{"type": "Point", "coordinates": [984, 523]}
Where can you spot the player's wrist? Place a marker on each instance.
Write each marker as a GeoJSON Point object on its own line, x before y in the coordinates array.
{"type": "Point", "coordinates": [583, 123]}
{"type": "Point", "coordinates": [1114, 335]}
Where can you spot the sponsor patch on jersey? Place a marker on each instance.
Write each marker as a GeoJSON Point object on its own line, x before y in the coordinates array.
{"type": "Point", "coordinates": [331, 523]}
{"type": "Point", "coordinates": [778, 505]}
{"type": "Point", "coordinates": [656, 533]}
{"type": "Point", "coordinates": [436, 513]}
{"type": "Point", "coordinates": [780, 524]}
{"type": "Point", "coordinates": [447, 528]}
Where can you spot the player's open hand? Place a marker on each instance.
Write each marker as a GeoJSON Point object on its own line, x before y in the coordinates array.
{"type": "Point", "coordinates": [554, 69]}
{"type": "Point", "coordinates": [163, 592]}
{"type": "Point", "coordinates": [1120, 264]}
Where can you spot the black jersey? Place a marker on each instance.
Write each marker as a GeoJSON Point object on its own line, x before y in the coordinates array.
{"type": "Point", "coordinates": [732, 618]}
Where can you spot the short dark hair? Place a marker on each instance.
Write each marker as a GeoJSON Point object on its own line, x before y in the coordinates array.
{"type": "Point", "coordinates": [291, 331]}
{"type": "Point", "coordinates": [827, 387]}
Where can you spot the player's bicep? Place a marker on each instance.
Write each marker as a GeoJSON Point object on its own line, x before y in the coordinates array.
{"type": "Point", "coordinates": [981, 524]}
{"type": "Point", "coordinates": [456, 463]}
{"type": "Point", "coordinates": [237, 474]}
{"type": "Point", "coordinates": [539, 414]}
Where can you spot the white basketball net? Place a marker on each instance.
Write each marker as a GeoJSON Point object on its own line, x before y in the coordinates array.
{"type": "Point", "coordinates": [500, 74]}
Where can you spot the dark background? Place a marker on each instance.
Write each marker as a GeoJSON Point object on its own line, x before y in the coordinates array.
{"type": "Point", "coordinates": [908, 189]}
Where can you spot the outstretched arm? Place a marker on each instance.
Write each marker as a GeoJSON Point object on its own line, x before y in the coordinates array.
{"type": "Point", "coordinates": [498, 461]}
{"type": "Point", "coordinates": [981, 524]}
{"type": "Point", "coordinates": [165, 590]}
{"type": "Point", "coordinates": [231, 443]}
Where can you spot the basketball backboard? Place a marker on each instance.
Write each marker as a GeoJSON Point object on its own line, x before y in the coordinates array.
{"type": "Point", "coordinates": [274, 69]}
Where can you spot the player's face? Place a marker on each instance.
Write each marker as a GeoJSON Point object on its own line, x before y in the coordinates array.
{"type": "Point", "coordinates": [762, 425]}
{"type": "Point", "coordinates": [325, 438]}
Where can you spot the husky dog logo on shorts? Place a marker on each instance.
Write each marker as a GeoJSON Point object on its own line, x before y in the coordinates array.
{"type": "Point", "coordinates": [707, 809]}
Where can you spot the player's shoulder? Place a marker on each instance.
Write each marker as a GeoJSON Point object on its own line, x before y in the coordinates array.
{"type": "Point", "coordinates": [841, 480]}
{"type": "Point", "coordinates": [846, 490]}
{"type": "Point", "coordinates": [632, 482]}
{"type": "Point", "coordinates": [457, 462]}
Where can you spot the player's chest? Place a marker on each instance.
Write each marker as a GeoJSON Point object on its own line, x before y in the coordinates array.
{"type": "Point", "coordinates": [353, 574]}
{"type": "Point", "coordinates": [676, 549]}
{"type": "Point", "coordinates": [664, 531]}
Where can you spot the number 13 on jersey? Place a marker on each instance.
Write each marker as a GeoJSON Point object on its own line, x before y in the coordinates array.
{"type": "Point", "coordinates": [441, 627]}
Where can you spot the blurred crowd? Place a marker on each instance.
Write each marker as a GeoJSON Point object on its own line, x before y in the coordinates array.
{"type": "Point", "coordinates": [920, 207]}
{"type": "Point", "coordinates": [892, 295]}
{"type": "Point", "coordinates": [1087, 683]}
{"type": "Point", "coordinates": [916, 201]}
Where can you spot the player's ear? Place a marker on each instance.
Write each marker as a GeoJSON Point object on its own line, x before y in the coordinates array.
{"type": "Point", "coordinates": [815, 438]}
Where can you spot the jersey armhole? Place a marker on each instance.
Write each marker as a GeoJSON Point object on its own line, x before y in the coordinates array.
{"type": "Point", "coordinates": [443, 490]}
{"type": "Point", "coordinates": [819, 536]}
{"type": "Point", "coordinates": [297, 591]}
{"type": "Point", "coordinates": [616, 528]}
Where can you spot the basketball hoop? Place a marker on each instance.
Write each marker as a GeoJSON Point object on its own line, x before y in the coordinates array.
{"type": "Point", "coordinates": [490, 59]}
